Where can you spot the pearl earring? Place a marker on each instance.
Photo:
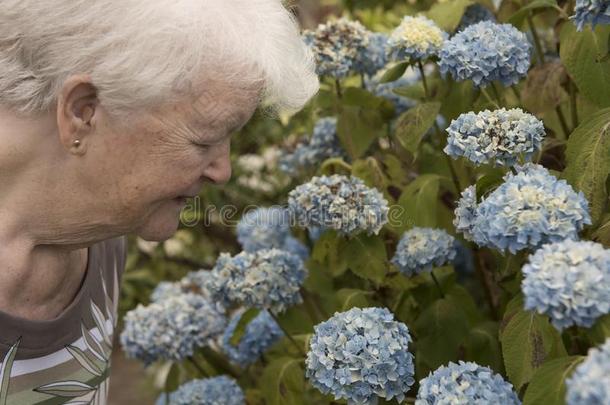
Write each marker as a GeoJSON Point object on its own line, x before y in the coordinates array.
{"type": "Point", "coordinates": [76, 143]}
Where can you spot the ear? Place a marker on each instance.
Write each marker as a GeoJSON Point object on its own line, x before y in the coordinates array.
{"type": "Point", "coordinates": [77, 112]}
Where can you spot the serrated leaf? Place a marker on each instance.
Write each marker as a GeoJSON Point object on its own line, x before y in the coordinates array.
{"type": "Point", "coordinates": [435, 344]}
{"type": "Point", "coordinates": [548, 383]}
{"type": "Point", "coordinates": [358, 127]}
{"type": "Point", "coordinates": [370, 172]}
{"type": "Point", "coordinates": [517, 18]}
{"type": "Point", "coordinates": [588, 160]}
{"type": "Point", "coordinates": [418, 203]}
{"type": "Point", "coordinates": [483, 347]}
{"type": "Point", "coordinates": [394, 73]}
{"type": "Point", "coordinates": [328, 251]}
{"type": "Point", "coordinates": [283, 382]}
{"type": "Point", "coordinates": [447, 15]}
{"type": "Point", "coordinates": [350, 298]}
{"type": "Point", "coordinates": [528, 340]}
{"type": "Point", "coordinates": [413, 124]}
{"type": "Point", "coordinates": [366, 257]}
{"type": "Point", "coordinates": [581, 53]}
{"type": "Point", "coordinates": [242, 324]}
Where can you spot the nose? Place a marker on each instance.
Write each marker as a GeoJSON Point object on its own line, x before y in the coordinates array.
{"type": "Point", "coordinates": [219, 169]}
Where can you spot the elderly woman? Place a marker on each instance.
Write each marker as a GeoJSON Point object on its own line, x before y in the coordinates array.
{"type": "Point", "coordinates": [112, 113]}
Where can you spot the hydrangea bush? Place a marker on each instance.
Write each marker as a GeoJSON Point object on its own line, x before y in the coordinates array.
{"type": "Point", "coordinates": [440, 237]}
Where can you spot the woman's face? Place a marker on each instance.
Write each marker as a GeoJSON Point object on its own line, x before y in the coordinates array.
{"type": "Point", "coordinates": [141, 179]}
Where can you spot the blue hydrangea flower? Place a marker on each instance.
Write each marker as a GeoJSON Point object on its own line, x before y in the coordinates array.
{"type": "Point", "coordinates": [486, 51]}
{"type": "Point", "coordinates": [166, 289]}
{"type": "Point", "coordinates": [171, 329]}
{"type": "Point", "coordinates": [465, 383]}
{"type": "Point", "coordinates": [569, 281]}
{"type": "Point", "coordinates": [529, 209]}
{"type": "Point", "coordinates": [266, 279]}
{"type": "Point", "coordinates": [373, 58]}
{"type": "Point", "coordinates": [360, 355]}
{"type": "Point", "coordinates": [267, 228]}
{"type": "Point", "coordinates": [415, 39]}
{"type": "Point", "coordinates": [590, 382]}
{"type": "Point", "coordinates": [336, 46]}
{"type": "Point", "coordinates": [220, 390]}
{"type": "Point", "coordinates": [339, 202]}
{"type": "Point", "coordinates": [591, 12]}
{"type": "Point", "coordinates": [473, 14]}
{"type": "Point", "coordinates": [260, 334]}
{"type": "Point", "coordinates": [386, 90]}
{"type": "Point", "coordinates": [263, 228]}
{"type": "Point", "coordinates": [502, 137]}
{"type": "Point", "coordinates": [315, 232]}
{"type": "Point", "coordinates": [420, 249]}
{"type": "Point", "coordinates": [465, 213]}
{"type": "Point", "coordinates": [324, 143]}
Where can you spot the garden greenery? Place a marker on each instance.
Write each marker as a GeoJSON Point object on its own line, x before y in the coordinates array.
{"type": "Point", "coordinates": [432, 228]}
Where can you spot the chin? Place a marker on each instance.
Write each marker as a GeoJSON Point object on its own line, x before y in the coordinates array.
{"type": "Point", "coordinates": [160, 227]}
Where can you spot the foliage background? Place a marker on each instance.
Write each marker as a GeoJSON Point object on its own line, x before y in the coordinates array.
{"type": "Point", "coordinates": [571, 94]}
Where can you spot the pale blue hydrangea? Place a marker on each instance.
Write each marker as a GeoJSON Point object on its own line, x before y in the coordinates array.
{"type": "Point", "coordinates": [323, 144]}
{"type": "Point", "coordinates": [260, 334]}
{"type": "Point", "coordinates": [171, 329]}
{"type": "Point", "coordinates": [465, 383]}
{"type": "Point", "coordinates": [166, 289]}
{"type": "Point", "coordinates": [502, 137]}
{"type": "Point", "coordinates": [360, 355]}
{"type": "Point", "coordinates": [529, 209]}
{"type": "Point", "coordinates": [339, 202]}
{"type": "Point", "coordinates": [374, 57]}
{"type": "Point", "coordinates": [591, 12]}
{"type": "Point", "coordinates": [263, 228]}
{"type": "Point", "coordinates": [569, 281]}
{"type": "Point", "coordinates": [473, 14]}
{"type": "Point", "coordinates": [465, 212]}
{"type": "Point", "coordinates": [415, 39]}
{"type": "Point", "coordinates": [267, 228]}
{"type": "Point", "coordinates": [590, 382]}
{"type": "Point", "coordinates": [265, 279]}
{"type": "Point", "coordinates": [192, 282]}
{"type": "Point", "coordinates": [421, 249]}
{"type": "Point", "coordinates": [220, 390]}
{"type": "Point", "coordinates": [386, 90]}
{"type": "Point", "coordinates": [336, 46]}
{"type": "Point", "coordinates": [486, 51]}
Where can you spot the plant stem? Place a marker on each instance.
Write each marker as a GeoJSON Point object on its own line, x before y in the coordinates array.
{"type": "Point", "coordinates": [288, 335]}
{"type": "Point", "coordinates": [517, 93]}
{"type": "Point", "coordinates": [562, 122]}
{"type": "Point", "coordinates": [574, 110]}
{"type": "Point", "coordinates": [311, 305]}
{"type": "Point", "coordinates": [399, 301]}
{"type": "Point", "coordinates": [489, 99]}
{"type": "Point", "coordinates": [487, 283]}
{"type": "Point", "coordinates": [194, 362]}
{"type": "Point", "coordinates": [537, 43]}
{"type": "Point", "coordinates": [362, 83]}
{"type": "Point", "coordinates": [338, 88]}
{"type": "Point", "coordinates": [497, 94]}
{"type": "Point", "coordinates": [423, 78]}
{"type": "Point", "coordinates": [438, 285]}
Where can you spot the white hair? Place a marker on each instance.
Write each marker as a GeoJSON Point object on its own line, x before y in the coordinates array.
{"type": "Point", "coordinates": [146, 53]}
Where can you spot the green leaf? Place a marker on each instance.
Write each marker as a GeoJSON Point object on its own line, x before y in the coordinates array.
{"type": "Point", "coordinates": [487, 183]}
{"type": "Point", "coordinates": [328, 251]}
{"type": "Point", "coordinates": [358, 127]}
{"type": "Point", "coordinates": [588, 160]}
{"type": "Point", "coordinates": [528, 341]}
{"type": "Point", "coordinates": [413, 124]}
{"type": "Point", "coordinates": [172, 380]}
{"type": "Point", "coordinates": [482, 346]}
{"type": "Point", "coordinates": [394, 73]}
{"type": "Point", "coordinates": [417, 205]}
{"type": "Point", "coordinates": [548, 383]}
{"type": "Point", "coordinates": [581, 54]}
{"type": "Point", "coordinates": [283, 382]}
{"type": "Point", "coordinates": [602, 234]}
{"type": "Point", "coordinates": [447, 15]}
{"type": "Point", "coordinates": [366, 257]}
{"type": "Point", "coordinates": [5, 371]}
{"type": "Point", "coordinates": [517, 18]}
{"type": "Point", "coordinates": [240, 328]}
{"type": "Point", "coordinates": [334, 165]}
{"type": "Point", "coordinates": [350, 298]}
{"type": "Point", "coordinates": [440, 330]}
{"type": "Point", "coordinates": [600, 331]}
{"type": "Point", "coordinates": [370, 172]}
